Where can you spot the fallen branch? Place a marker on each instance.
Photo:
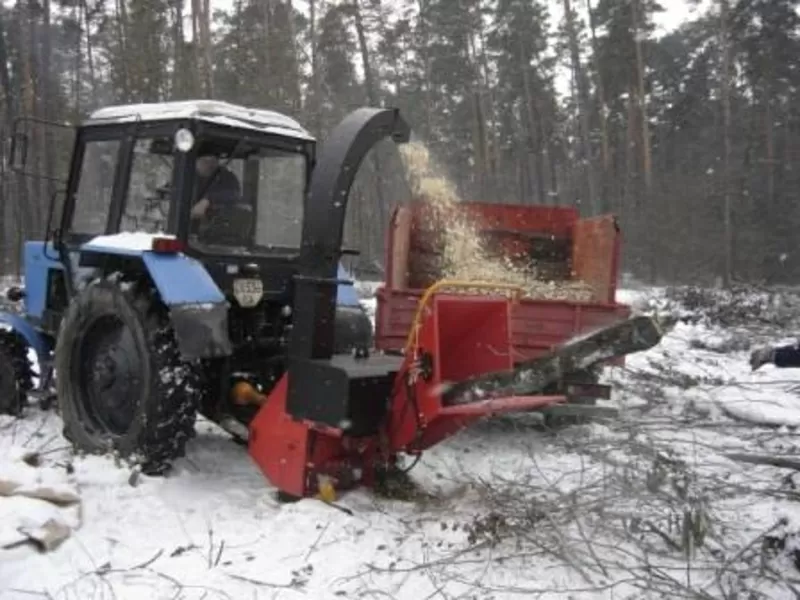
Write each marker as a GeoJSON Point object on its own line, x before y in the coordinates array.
{"type": "Point", "coordinates": [765, 459]}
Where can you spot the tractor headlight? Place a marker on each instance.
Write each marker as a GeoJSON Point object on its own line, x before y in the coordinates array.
{"type": "Point", "coordinates": [184, 140]}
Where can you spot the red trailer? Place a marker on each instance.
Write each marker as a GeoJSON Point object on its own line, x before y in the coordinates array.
{"type": "Point", "coordinates": [564, 247]}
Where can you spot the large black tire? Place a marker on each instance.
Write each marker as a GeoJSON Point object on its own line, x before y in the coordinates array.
{"type": "Point", "coordinates": [353, 329]}
{"type": "Point", "coordinates": [121, 382]}
{"type": "Point", "coordinates": [16, 373]}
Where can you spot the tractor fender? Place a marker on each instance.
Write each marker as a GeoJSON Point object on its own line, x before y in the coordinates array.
{"type": "Point", "coordinates": [198, 308]}
{"type": "Point", "coordinates": [40, 343]}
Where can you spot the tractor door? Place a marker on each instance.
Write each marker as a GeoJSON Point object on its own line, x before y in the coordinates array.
{"type": "Point", "coordinates": [147, 203]}
{"type": "Point", "coordinates": [88, 208]}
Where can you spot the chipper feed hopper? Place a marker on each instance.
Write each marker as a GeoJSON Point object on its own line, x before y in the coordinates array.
{"type": "Point", "coordinates": [162, 294]}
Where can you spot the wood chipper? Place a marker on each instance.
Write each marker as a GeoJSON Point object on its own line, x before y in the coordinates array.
{"type": "Point", "coordinates": [163, 293]}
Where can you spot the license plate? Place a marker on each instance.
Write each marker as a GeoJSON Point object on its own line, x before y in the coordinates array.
{"type": "Point", "coordinates": [248, 292]}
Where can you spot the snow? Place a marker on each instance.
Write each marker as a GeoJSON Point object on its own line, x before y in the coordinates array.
{"type": "Point", "coordinates": [515, 513]}
{"type": "Point", "coordinates": [134, 241]}
{"type": "Point", "coordinates": [223, 113]}
{"type": "Point", "coordinates": [33, 499]}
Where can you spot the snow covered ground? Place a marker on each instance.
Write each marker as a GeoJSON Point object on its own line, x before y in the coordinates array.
{"type": "Point", "coordinates": [653, 505]}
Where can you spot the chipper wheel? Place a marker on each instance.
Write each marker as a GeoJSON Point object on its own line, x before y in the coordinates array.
{"type": "Point", "coordinates": [121, 382]}
{"type": "Point", "coordinates": [16, 373]}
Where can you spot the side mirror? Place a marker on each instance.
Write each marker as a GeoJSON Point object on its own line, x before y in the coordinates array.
{"type": "Point", "coordinates": [18, 151]}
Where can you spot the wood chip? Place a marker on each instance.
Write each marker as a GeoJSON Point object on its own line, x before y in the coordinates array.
{"type": "Point", "coordinates": [462, 255]}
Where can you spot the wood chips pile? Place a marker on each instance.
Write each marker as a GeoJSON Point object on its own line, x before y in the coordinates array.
{"type": "Point", "coordinates": [463, 257]}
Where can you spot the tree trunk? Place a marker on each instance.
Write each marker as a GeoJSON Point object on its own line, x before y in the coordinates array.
{"type": "Point", "coordinates": [122, 38]}
{"type": "Point", "coordinates": [490, 116]}
{"type": "Point", "coordinates": [77, 16]}
{"type": "Point", "coordinates": [534, 131]}
{"type": "Point", "coordinates": [727, 274]}
{"type": "Point", "coordinates": [271, 92]}
{"type": "Point", "coordinates": [630, 162]}
{"type": "Point", "coordinates": [429, 102]}
{"type": "Point", "coordinates": [316, 80]}
{"type": "Point", "coordinates": [48, 111]}
{"type": "Point", "coordinates": [179, 88]}
{"type": "Point", "coordinates": [479, 134]}
{"type": "Point", "coordinates": [7, 105]}
{"type": "Point", "coordinates": [33, 109]}
{"type": "Point", "coordinates": [602, 110]}
{"type": "Point", "coordinates": [646, 152]}
{"type": "Point", "coordinates": [205, 37]}
{"type": "Point", "coordinates": [89, 53]}
{"type": "Point", "coordinates": [296, 92]}
{"type": "Point", "coordinates": [769, 134]}
{"type": "Point", "coordinates": [583, 107]}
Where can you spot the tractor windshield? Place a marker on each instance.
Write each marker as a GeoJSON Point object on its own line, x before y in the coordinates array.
{"type": "Point", "coordinates": [247, 201]}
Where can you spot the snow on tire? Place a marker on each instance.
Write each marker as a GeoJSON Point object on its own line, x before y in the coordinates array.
{"type": "Point", "coordinates": [122, 384]}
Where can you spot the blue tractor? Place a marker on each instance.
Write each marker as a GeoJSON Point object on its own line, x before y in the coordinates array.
{"type": "Point", "coordinates": [198, 247]}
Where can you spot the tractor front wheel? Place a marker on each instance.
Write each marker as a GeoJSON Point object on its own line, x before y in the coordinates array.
{"type": "Point", "coordinates": [16, 373]}
{"type": "Point", "coordinates": [121, 383]}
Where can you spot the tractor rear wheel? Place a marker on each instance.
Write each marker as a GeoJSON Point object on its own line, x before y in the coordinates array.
{"type": "Point", "coordinates": [353, 329]}
{"type": "Point", "coordinates": [16, 373]}
{"type": "Point", "coordinates": [121, 382]}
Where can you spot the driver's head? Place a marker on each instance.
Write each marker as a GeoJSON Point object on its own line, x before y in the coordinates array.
{"type": "Point", "coordinates": [207, 164]}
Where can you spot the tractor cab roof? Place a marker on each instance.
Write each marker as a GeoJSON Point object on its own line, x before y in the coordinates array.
{"type": "Point", "coordinates": [210, 111]}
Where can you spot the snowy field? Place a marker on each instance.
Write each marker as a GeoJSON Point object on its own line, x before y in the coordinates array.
{"type": "Point", "coordinates": [658, 504]}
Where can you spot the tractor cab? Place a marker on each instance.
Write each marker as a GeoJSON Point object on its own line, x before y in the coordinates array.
{"type": "Point", "coordinates": [225, 180]}
{"type": "Point", "coordinates": [227, 183]}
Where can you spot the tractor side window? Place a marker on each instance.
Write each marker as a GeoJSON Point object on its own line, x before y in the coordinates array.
{"type": "Point", "coordinates": [148, 200]}
{"type": "Point", "coordinates": [95, 187]}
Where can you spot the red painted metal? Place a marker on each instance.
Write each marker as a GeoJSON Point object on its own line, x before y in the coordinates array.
{"type": "Point", "coordinates": [292, 454]}
{"type": "Point", "coordinates": [463, 337]}
{"type": "Point", "coordinates": [537, 326]}
{"type": "Point", "coordinates": [167, 245]}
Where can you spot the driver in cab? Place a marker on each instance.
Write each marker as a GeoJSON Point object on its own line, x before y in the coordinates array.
{"type": "Point", "coordinates": [219, 187]}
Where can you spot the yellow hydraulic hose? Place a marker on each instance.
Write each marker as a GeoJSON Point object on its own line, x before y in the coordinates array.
{"type": "Point", "coordinates": [413, 334]}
